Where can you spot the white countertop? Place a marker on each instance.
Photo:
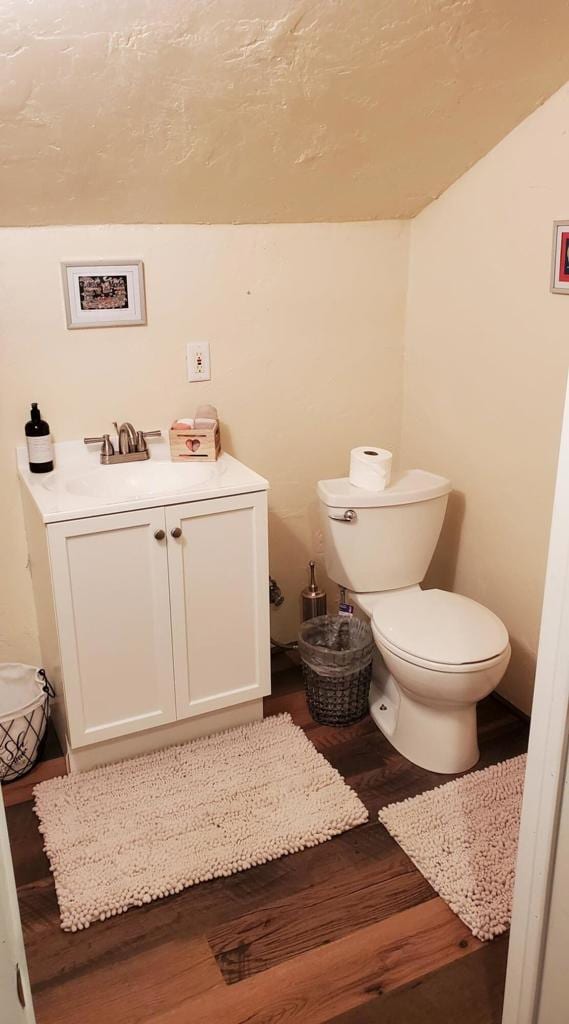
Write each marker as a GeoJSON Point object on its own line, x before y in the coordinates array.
{"type": "Point", "coordinates": [80, 486]}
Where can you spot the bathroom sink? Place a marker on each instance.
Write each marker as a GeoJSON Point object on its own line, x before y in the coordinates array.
{"type": "Point", "coordinates": [134, 480]}
{"type": "Point", "coordinates": [80, 486]}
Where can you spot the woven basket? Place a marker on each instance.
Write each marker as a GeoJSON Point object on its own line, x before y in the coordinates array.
{"type": "Point", "coordinates": [25, 692]}
{"type": "Point", "coordinates": [337, 701]}
{"type": "Point", "coordinates": [336, 654]}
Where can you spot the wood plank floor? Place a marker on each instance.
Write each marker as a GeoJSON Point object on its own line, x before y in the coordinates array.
{"type": "Point", "coordinates": [348, 932]}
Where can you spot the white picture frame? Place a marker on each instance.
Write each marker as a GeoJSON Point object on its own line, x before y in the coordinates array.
{"type": "Point", "coordinates": [104, 293]}
{"type": "Point", "coordinates": [560, 258]}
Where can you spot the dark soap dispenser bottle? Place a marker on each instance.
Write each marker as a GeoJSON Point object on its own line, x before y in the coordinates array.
{"type": "Point", "coordinates": [40, 446]}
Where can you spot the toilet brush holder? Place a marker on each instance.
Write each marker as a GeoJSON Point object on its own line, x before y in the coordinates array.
{"type": "Point", "coordinates": [312, 598]}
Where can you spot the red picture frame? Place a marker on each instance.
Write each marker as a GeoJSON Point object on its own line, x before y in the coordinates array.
{"type": "Point", "coordinates": [560, 258]}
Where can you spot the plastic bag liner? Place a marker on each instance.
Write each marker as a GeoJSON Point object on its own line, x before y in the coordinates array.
{"type": "Point", "coordinates": [335, 646]}
{"type": "Point", "coordinates": [24, 711]}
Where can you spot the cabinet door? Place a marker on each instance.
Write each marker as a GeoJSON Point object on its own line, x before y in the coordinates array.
{"type": "Point", "coordinates": [220, 601]}
{"type": "Point", "coordinates": [110, 580]}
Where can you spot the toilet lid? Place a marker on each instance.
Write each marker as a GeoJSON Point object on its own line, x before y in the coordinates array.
{"type": "Point", "coordinates": [440, 627]}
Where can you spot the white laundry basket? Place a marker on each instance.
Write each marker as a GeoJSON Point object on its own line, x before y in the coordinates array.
{"type": "Point", "coordinates": [25, 692]}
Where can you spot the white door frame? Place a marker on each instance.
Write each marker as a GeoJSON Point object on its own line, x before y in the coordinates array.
{"type": "Point", "coordinates": [12, 954]}
{"type": "Point", "coordinates": [547, 759]}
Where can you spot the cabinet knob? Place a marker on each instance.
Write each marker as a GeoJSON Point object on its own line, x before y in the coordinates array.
{"type": "Point", "coordinates": [159, 534]}
{"type": "Point", "coordinates": [176, 532]}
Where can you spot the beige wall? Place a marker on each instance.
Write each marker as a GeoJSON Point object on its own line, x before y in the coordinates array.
{"type": "Point", "coordinates": [305, 325]}
{"type": "Point", "coordinates": [487, 348]}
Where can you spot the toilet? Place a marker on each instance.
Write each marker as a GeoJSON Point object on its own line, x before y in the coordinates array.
{"type": "Point", "coordinates": [437, 653]}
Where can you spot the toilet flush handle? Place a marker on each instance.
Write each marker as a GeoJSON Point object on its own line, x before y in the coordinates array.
{"type": "Point", "coordinates": [349, 516]}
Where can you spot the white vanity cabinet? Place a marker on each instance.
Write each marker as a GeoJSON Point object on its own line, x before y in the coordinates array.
{"type": "Point", "coordinates": [155, 627]}
{"type": "Point", "coordinates": [154, 622]}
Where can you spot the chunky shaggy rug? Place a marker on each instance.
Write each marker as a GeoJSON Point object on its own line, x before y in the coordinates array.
{"type": "Point", "coordinates": [128, 833]}
{"type": "Point", "coordinates": [463, 837]}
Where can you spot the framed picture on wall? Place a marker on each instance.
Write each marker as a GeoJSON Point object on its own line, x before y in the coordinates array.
{"type": "Point", "coordinates": [560, 258]}
{"type": "Point", "coordinates": [104, 294]}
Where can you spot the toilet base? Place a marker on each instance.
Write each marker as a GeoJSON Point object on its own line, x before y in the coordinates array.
{"type": "Point", "coordinates": [440, 739]}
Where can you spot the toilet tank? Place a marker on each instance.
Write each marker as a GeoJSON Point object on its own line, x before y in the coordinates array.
{"type": "Point", "coordinates": [383, 540]}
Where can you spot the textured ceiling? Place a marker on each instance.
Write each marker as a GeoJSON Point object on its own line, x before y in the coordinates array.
{"type": "Point", "coordinates": [260, 110]}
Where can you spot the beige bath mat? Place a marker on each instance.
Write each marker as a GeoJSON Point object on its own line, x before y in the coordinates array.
{"type": "Point", "coordinates": [463, 837]}
{"type": "Point", "coordinates": [129, 833]}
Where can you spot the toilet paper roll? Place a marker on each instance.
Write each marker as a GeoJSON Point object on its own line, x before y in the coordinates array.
{"type": "Point", "coordinates": [370, 468]}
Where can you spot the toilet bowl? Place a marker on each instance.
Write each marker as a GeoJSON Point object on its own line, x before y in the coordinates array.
{"type": "Point", "coordinates": [438, 653]}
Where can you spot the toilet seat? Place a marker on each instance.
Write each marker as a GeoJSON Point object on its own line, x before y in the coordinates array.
{"type": "Point", "coordinates": [438, 629]}
{"type": "Point", "coordinates": [439, 666]}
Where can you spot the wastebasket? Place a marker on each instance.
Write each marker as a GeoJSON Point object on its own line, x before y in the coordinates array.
{"type": "Point", "coordinates": [336, 654]}
{"type": "Point", "coordinates": [25, 692]}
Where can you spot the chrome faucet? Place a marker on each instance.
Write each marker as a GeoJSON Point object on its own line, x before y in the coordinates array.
{"type": "Point", "coordinates": [127, 437]}
{"type": "Point", "coordinates": [132, 444]}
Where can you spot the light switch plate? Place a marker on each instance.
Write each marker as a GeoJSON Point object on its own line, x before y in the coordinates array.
{"type": "Point", "coordinates": [198, 361]}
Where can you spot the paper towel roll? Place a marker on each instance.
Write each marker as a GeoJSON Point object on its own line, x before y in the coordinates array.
{"type": "Point", "coordinates": [370, 468]}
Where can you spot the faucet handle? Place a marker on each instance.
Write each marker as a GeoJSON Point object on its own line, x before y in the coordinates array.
{"type": "Point", "coordinates": [108, 447]}
{"type": "Point", "coordinates": [141, 435]}
{"type": "Point", "coordinates": [105, 441]}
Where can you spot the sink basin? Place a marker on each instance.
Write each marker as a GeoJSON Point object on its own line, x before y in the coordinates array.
{"type": "Point", "coordinates": [80, 486]}
{"type": "Point", "coordinates": [134, 480]}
